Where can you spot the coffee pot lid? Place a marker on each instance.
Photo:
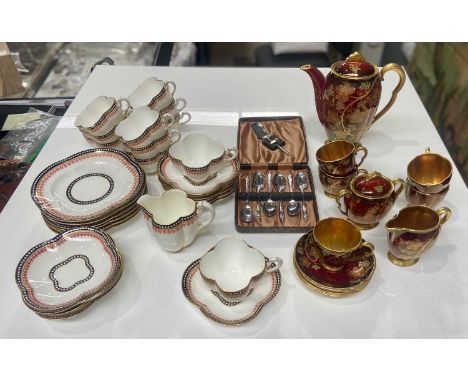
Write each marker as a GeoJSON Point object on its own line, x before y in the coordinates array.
{"type": "Point", "coordinates": [372, 185]}
{"type": "Point", "coordinates": [354, 67]}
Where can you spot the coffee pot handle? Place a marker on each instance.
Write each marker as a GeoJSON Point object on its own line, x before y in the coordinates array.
{"type": "Point", "coordinates": [401, 73]}
{"type": "Point", "coordinates": [341, 195]}
{"type": "Point", "coordinates": [202, 207]}
{"type": "Point", "coordinates": [445, 214]}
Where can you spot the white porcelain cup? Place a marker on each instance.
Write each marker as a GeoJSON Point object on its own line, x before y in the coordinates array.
{"type": "Point", "coordinates": [157, 146]}
{"type": "Point", "coordinates": [154, 93]}
{"type": "Point", "coordinates": [143, 126]}
{"type": "Point", "coordinates": [102, 115]}
{"type": "Point", "coordinates": [232, 268]}
{"type": "Point", "coordinates": [200, 158]}
{"type": "Point", "coordinates": [174, 219]}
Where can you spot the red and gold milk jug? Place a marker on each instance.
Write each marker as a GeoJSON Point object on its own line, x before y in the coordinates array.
{"type": "Point", "coordinates": [347, 99]}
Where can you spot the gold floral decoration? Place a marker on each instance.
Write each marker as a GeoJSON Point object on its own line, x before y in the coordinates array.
{"type": "Point", "coordinates": [344, 91]}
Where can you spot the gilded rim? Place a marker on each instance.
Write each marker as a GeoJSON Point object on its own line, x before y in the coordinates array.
{"type": "Point", "coordinates": [418, 206]}
{"type": "Point", "coordinates": [354, 78]}
{"type": "Point", "coordinates": [334, 250]}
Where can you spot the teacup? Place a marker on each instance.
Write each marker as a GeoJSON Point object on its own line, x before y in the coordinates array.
{"type": "Point", "coordinates": [143, 127]}
{"type": "Point", "coordinates": [232, 268]}
{"type": "Point", "coordinates": [154, 93]}
{"type": "Point", "coordinates": [182, 119]}
{"type": "Point", "coordinates": [429, 172]}
{"type": "Point", "coordinates": [339, 157]}
{"type": "Point", "coordinates": [339, 241]}
{"type": "Point", "coordinates": [157, 146]}
{"type": "Point", "coordinates": [175, 219]}
{"type": "Point", "coordinates": [415, 197]}
{"type": "Point", "coordinates": [412, 231]}
{"type": "Point", "coordinates": [332, 185]}
{"type": "Point", "coordinates": [369, 198]}
{"type": "Point", "coordinates": [101, 115]}
{"type": "Point", "coordinates": [200, 158]}
{"type": "Point", "coordinates": [151, 165]}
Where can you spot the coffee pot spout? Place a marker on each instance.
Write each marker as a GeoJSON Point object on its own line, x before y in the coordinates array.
{"type": "Point", "coordinates": [318, 80]}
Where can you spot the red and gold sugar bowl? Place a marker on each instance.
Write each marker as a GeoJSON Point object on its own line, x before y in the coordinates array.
{"type": "Point", "coordinates": [369, 198]}
{"type": "Point", "coordinates": [412, 231]}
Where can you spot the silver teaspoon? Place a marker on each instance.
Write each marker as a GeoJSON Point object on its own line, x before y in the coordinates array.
{"type": "Point", "coordinates": [246, 213]}
{"type": "Point", "coordinates": [293, 206]}
{"type": "Point", "coordinates": [258, 183]}
{"type": "Point", "coordinates": [279, 182]}
{"type": "Point", "coordinates": [269, 207]}
{"type": "Point", "coordinates": [302, 183]}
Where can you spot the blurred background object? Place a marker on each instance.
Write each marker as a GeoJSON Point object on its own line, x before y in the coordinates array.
{"type": "Point", "coordinates": [440, 75]}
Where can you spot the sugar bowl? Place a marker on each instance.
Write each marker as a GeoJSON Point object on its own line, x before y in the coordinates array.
{"type": "Point", "coordinates": [369, 198]}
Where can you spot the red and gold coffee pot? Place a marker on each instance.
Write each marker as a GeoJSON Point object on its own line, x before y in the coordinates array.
{"type": "Point", "coordinates": [348, 97]}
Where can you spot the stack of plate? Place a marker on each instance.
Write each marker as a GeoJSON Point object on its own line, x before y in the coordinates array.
{"type": "Point", "coordinates": [352, 278]}
{"type": "Point", "coordinates": [224, 184]}
{"type": "Point", "coordinates": [97, 187]}
{"type": "Point", "coordinates": [62, 277]}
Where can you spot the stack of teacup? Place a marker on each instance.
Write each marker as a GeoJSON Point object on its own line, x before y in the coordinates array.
{"type": "Point", "coordinates": [147, 134]}
{"type": "Point", "coordinates": [428, 179]}
{"type": "Point", "coordinates": [337, 165]}
{"type": "Point", "coordinates": [159, 95]}
{"type": "Point", "coordinates": [98, 121]}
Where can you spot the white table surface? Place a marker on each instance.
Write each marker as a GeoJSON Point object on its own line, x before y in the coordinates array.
{"type": "Point", "coordinates": [429, 299]}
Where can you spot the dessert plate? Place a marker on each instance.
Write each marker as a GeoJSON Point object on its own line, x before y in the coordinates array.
{"type": "Point", "coordinates": [68, 270]}
{"type": "Point", "coordinates": [88, 185]}
{"type": "Point", "coordinates": [351, 279]}
{"type": "Point", "coordinates": [170, 174]}
{"type": "Point", "coordinates": [223, 312]}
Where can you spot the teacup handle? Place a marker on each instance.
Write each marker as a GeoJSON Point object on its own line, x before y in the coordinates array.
{"type": "Point", "coordinates": [176, 134]}
{"type": "Point", "coordinates": [364, 150]}
{"type": "Point", "coordinates": [398, 190]}
{"type": "Point", "coordinates": [445, 214]}
{"type": "Point", "coordinates": [202, 207]}
{"type": "Point", "coordinates": [363, 244]}
{"type": "Point", "coordinates": [185, 114]}
{"type": "Point", "coordinates": [126, 110]}
{"type": "Point", "coordinates": [338, 198]}
{"type": "Point", "coordinates": [273, 265]}
{"type": "Point", "coordinates": [231, 154]}
{"type": "Point", "coordinates": [167, 120]}
{"type": "Point", "coordinates": [173, 87]}
{"type": "Point", "coordinates": [183, 102]}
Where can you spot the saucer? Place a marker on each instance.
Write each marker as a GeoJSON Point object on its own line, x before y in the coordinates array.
{"type": "Point", "coordinates": [351, 279]}
{"type": "Point", "coordinates": [223, 312]}
{"type": "Point", "coordinates": [170, 174]}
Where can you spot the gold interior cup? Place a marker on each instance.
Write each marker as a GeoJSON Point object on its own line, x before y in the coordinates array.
{"type": "Point", "coordinates": [338, 239]}
{"type": "Point", "coordinates": [429, 172]}
{"type": "Point", "coordinates": [339, 157]}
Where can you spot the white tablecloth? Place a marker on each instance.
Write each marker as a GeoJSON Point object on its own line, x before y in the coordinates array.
{"type": "Point", "coordinates": [429, 299]}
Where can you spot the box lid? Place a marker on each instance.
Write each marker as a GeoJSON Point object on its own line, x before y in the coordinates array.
{"type": "Point", "coordinates": [252, 152]}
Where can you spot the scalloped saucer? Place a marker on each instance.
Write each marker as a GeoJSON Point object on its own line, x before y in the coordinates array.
{"type": "Point", "coordinates": [223, 312]}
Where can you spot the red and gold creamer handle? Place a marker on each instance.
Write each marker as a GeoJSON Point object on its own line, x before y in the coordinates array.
{"type": "Point", "coordinates": [401, 73]}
